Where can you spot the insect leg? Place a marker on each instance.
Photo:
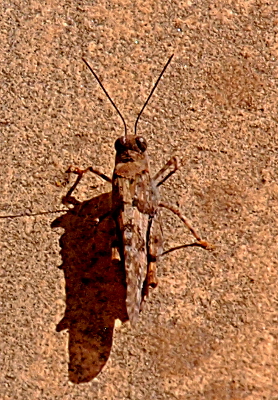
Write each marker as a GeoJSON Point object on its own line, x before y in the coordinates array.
{"type": "Point", "coordinates": [159, 177]}
{"type": "Point", "coordinates": [209, 246]}
{"type": "Point", "coordinates": [200, 242]}
{"type": "Point", "coordinates": [77, 171]}
{"type": "Point", "coordinates": [154, 250]}
{"type": "Point", "coordinates": [68, 199]}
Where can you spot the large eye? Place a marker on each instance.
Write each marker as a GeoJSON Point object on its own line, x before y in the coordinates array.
{"type": "Point", "coordinates": [120, 144]}
{"type": "Point", "coordinates": [141, 143]}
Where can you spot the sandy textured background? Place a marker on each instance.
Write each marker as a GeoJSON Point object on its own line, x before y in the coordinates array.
{"type": "Point", "coordinates": [209, 331]}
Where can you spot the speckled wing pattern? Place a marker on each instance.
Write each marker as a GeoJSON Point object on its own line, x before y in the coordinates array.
{"type": "Point", "coordinates": [136, 202]}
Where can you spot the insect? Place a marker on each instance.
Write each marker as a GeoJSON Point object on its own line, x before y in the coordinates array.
{"type": "Point", "coordinates": [136, 209]}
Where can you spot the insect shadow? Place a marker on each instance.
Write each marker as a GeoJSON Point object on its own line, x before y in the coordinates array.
{"type": "Point", "coordinates": [95, 285]}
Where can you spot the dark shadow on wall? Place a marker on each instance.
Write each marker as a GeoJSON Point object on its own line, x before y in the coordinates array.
{"type": "Point", "coordinates": [95, 285]}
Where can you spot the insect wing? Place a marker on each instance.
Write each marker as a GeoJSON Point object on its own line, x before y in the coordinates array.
{"type": "Point", "coordinates": [132, 190]}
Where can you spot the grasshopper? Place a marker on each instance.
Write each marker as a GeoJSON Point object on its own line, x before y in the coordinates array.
{"type": "Point", "coordinates": [136, 209]}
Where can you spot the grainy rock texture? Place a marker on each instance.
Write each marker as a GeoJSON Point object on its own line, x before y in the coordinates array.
{"type": "Point", "coordinates": [209, 330]}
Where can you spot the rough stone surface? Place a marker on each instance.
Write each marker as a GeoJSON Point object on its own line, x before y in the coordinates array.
{"type": "Point", "coordinates": [209, 330]}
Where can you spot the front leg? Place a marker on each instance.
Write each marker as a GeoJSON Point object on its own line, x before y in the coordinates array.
{"type": "Point", "coordinates": [159, 177]}
{"type": "Point", "coordinates": [68, 198]}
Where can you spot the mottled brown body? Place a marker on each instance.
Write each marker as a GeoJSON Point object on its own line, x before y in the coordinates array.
{"type": "Point", "coordinates": [135, 197]}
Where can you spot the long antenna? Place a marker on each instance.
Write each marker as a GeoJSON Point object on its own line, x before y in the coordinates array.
{"type": "Point", "coordinates": [103, 88]}
{"type": "Point", "coordinates": [150, 95]}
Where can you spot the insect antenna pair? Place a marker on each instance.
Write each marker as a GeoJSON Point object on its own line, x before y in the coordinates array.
{"type": "Point", "coordinates": [146, 102]}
